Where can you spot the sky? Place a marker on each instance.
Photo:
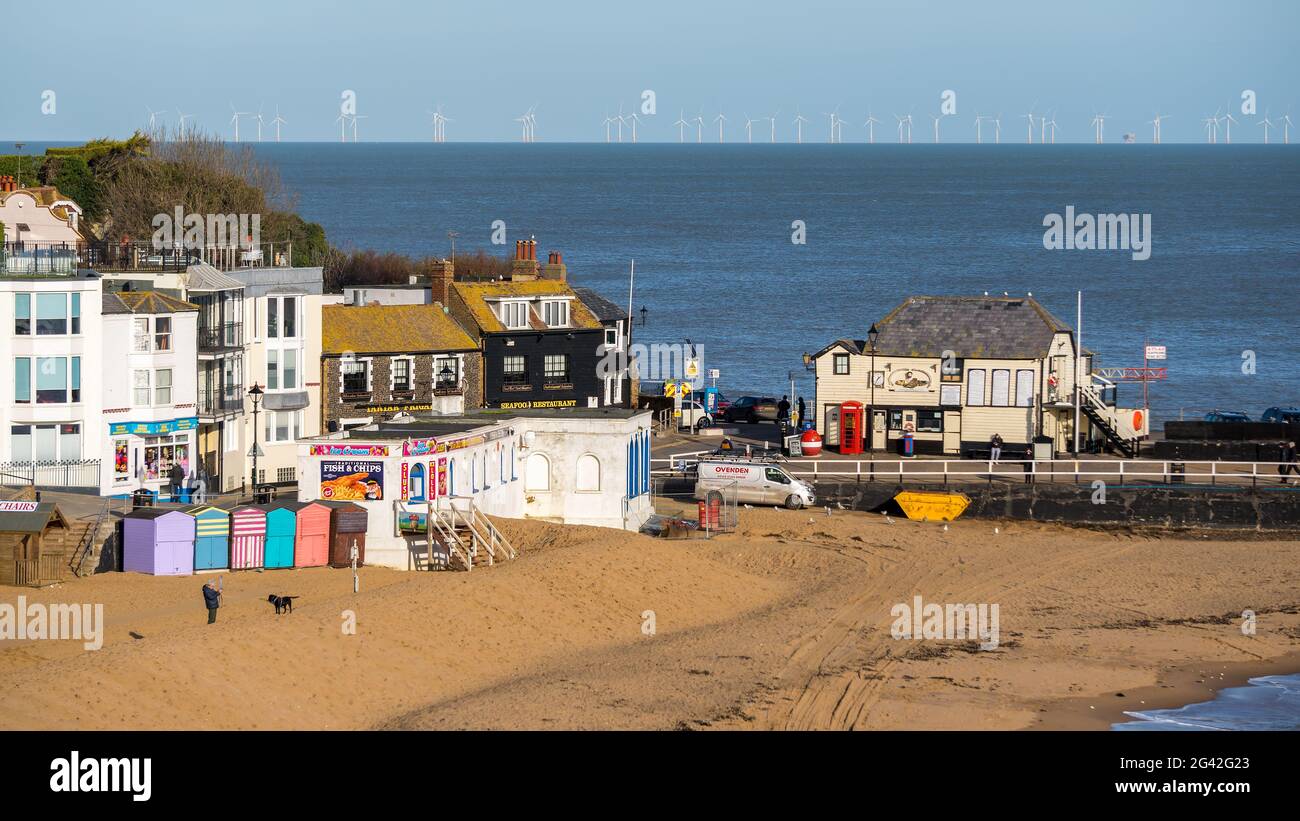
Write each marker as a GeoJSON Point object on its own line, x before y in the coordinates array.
{"type": "Point", "coordinates": [487, 62]}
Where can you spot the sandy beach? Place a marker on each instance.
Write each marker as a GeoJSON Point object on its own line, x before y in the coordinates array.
{"type": "Point", "coordinates": [784, 624]}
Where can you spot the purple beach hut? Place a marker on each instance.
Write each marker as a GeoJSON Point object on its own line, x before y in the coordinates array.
{"type": "Point", "coordinates": [158, 542]}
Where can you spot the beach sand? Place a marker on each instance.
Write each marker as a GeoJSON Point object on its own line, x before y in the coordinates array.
{"type": "Point", "coordinates": [784, 624]}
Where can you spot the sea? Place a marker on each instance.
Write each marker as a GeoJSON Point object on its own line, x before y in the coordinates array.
{"type": "Point", "coordinates": [760, 253]}
{"type": "Point", "coordinates": [1265, 703]}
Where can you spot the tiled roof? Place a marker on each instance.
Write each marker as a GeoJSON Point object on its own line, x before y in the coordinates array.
{"type": "Point", "coordinates": [602, 308]}
{"type": "Point", "coordinates": [144, 302]}
{"type": "Point", "coordinates": [975, 327]}
{"type": "Point", "coordinates": [476, 294]}
{"type": "Point", "coordinates": [390, 329]}
{"type": "Point", "coordinates": [45, 195]}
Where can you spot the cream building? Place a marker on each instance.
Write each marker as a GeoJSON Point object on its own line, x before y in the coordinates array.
{"type": "Point", "coordinates": [954, 371]}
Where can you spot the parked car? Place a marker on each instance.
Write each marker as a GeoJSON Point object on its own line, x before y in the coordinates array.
{"type": "Point", "coordinates": [760, 482]}
{"type": "Point", "coordinates": [694, 417]}
{"type": "Point", "coordinates": [752, 409]}
{"type": "Point", "coordinates": [1291, 415]}
{"type": "Point", "coordinates": [1226, 416]}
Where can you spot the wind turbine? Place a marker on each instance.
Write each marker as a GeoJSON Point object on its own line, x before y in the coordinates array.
{"type": "Point", "coordinates": [356, 117]}
{"type": "Point", "coordinates": [834, 115]}
{"type": "Point", "coordinates": [699, 127]}
{"type": "Point", "coordinates": [181, 118]}
{"type": "Point", "coordinates": [772, 122]}
{"type": "Point", "coordinates": [936, 126]}
{"type": "Point", "coordinates": [622, 121]}
{"type": "Point", "coordinates": [997, 129]}
{"type": "Point", "coordinates": [259, 123]}
{"type": "Point", "coordinates": [635, 120]}
{"type": "Point", "coordinates": [979, 118]}
{"type": "Point", "coordinates": [799, 120]}
{"type": "Point", "coordinates": [749, 129]}
{"type": "Point", "coordinates": [607, 122]}
{"type": "Point", "coordinates": [532, 124]}
{"type": "Point", "coordinates": [1099, 122]}
{"type": "Point", "coordinates": [1211, 129]}
{"type": "Point", "coordinates": [153, 117]}
{"type": "Point", "coordinates": [277, 122]}
{"type": "Point", "coordinates": [721, 120]}
{"type": "Point", "coordinates": [342, 120]}
{"type": "Point", "coordinates": [1042, 128]}
{"type": "Point", "coordinates": [1267, 123]}
{"type": "Point", "coordinates": [1155, 134]}
{"type": "Point", "coordinates": [1052, 124]}
{"type": "Point", "coordinates": [1228, 127]}
{"type": "Point", "coordinates": [1285, 125]}
{"type": "Point", "coordinates": [1030, 118]}
{"type": "Point", "coordinates": [523, 123]}
{"type": "Point", "coordinates": [235, 115]}
{"type": "Point", "coordinates": [871, 124]}
{"type": "Point", "coordinates": [681, 128]}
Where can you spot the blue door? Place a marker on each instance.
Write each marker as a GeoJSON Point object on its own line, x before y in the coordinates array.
{"type": "Point", "coordinates": [211, 552]}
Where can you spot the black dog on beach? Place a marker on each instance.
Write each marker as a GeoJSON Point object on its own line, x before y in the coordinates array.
{"type": "Point", "coordinates": [283, 604]}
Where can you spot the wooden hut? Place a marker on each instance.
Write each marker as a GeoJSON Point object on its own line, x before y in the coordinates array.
{"type": "Point", "coordinates": [247, 537]}
{"type": "Point", "coordinates": [211, 537]}
{"type": "Point", "coordinates": [348, 524]}
{"type": "Point", "coordinates": [281, 529]}
{"type": "Point", "coordinates": [311, 547]}
{"type": "Point", "coordinates": [158, 542]}
{"type": "Point", "coordinates": [35, 543]}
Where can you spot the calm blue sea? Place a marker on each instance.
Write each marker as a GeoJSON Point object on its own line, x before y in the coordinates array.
{"type": "Point", "coordinates": [1266, 703]}
{"type": "Point", "coordinates": [710, 229]}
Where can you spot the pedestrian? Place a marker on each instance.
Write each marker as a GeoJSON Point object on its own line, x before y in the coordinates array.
{"type": "Point", "coordinates": [802, 410]}
{"type": "Point", "coordinates": [995, 447]}
{"type": "Point", "coordinates": [176, 477]}
{"type": "Point", "coordinates": [212, 600]}
{"type": "Point", "coordinates": [1288, 459]}
{"type": "Point", "coordinates": [783, 411]}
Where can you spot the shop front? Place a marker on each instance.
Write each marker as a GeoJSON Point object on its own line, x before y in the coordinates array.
{"type": "Point", "coordinates": [142, 454]}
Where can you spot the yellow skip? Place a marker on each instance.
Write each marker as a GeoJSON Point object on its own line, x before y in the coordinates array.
{"type": "Point", "coordinates": [932, 506]}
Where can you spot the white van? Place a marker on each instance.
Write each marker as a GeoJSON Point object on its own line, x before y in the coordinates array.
{"type": "Point", "coordinates": [761, 482]}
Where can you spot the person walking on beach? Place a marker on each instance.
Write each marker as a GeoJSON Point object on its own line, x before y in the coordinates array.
{"type": "Point", "coordinates": [212, 599]}
{"type": "Point", "coordinates": [995, 447]}
{"type": "Point", "coordinates": [1288, 460]}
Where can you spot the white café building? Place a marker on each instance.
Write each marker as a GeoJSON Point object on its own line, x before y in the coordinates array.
{"type": "Point", "coordinates": [588, 466]}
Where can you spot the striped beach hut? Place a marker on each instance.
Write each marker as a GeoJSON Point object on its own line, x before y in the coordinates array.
{"type": "Point", "coordinates": [211, 537]}
{"type": "Point", "coordinates": [247, 537]}
{"type": "Point", "coordinates": [311, 547]}
{"type": "Point", "coordinates": [281, 529]}
{"type": "Point", "coordinates": [159, 542]}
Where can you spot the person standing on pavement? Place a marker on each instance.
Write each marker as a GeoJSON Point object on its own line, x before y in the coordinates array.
{"type": "Point", "coordinates": [1288, 459]}
{"type": "Point", "coordinates": [783, 411]}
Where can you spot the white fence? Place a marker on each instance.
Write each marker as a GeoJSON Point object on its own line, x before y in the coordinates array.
{"type": "Point", "coordinates": [1077, 471]}
{"type": "Point", "coordinates": [83, 474]}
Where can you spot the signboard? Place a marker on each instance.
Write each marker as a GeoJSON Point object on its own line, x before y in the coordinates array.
{"type": "Point", "coordinates": [714, 373]}
{"type": "Point", "coordinates": [693, 372]}
{"type": "Point", "coordinates": [351, 481]}
{"type": "Point", "coordinates": [406, 480]}
{"type": "Point", "coordinates": [18, 507]}
{"type": "Point", "coordinates": [152, 428]}
{"type": "Point", "coordinates": [910, 380]}
{"type": "Point", "coordinates": [349, 450]}
{"type": "Point", "coordinates": [545, 403]}
{"type": "Point", "coordinates": [412, 521]}
{"type": "Point", "coordinates": [1156, 352]}
{"type": "Point", "coordinates": [442, 476]}
{"type": "Point", "coordinates": [396, 407]}
{"type": "Point", "coordinates": [950, 395]}
{"type": "Point", "coordinates": [419, 447]}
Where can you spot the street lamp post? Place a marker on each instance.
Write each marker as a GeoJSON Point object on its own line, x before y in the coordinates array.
{"type": "Point", "coordinates": [256, 393]}
{"type": "Point", "coordinates": [872, 336]}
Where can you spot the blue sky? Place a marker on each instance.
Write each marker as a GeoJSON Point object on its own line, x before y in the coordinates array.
{"type": "Point", "coordinates": [486, 62]}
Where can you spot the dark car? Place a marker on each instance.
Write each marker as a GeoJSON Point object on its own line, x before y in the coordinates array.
{"type": "Point", "coordinates": [751, 409]}
{"type": "Point", "coordinates": [1281, 415]}
{"type": "Point", "coordinates": [1226, 416]}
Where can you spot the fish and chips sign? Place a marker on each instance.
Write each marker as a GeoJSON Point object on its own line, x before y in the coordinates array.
{"type": "Point", "coordinates": [349, 450]}
{"type": "Point", "coordinates": [352, 481]}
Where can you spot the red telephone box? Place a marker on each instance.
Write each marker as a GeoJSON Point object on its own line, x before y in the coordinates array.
{"type": "Point", "coordinates": [851, 429]}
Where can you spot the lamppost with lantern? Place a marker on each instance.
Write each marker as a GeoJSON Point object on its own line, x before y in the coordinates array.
{"type": "Point", "coordinates": [256, 393]}
{"type": "Point", "coordinates": [872, 336]}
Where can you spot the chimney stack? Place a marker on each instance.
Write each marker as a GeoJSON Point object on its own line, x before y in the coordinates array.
{"type": "Point", "coordinates": [555, 268]}
{"type": "Point", "coordinates": [440, 279]}
{"type": "Point", "coordinates": [525, 266]}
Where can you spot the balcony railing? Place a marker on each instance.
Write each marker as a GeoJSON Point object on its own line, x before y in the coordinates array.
{"type": "Point", "coordinates": [225, 337]}
{"type": "Point", "coordinates": [31, 258]}
{"type": "Point", "coordinates": [218, 403]}
{"type": "Point", "coordinates": [52, 474]}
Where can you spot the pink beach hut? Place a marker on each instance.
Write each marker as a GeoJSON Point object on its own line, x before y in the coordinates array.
{"type": "Point", "coordinates": [247, 538]}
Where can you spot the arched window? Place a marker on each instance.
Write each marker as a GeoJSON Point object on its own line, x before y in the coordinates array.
{"type": "Point", "coordinates": [588, 473]}
{"type": "Point", "coordinates": [537, 474]}
{"type": "Point", "coordinates": [417, 482]}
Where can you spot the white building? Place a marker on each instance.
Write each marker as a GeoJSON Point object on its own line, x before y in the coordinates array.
{"type": "Point", "coordinates": [578, 466]}
{"type": "Point", "coordinates": [51, 359]}
{"type": "Point", "coordinates": [150, 391]}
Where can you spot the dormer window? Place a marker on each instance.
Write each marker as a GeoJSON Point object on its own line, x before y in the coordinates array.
{"type": "Point", "coordinates": [555, 313]}
{"type": "Point", "coordinates": [513, 315]}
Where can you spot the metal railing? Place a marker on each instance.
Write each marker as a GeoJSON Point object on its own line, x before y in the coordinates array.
{"type": "Point", "coordinates": [224, 337]}
{"type": "Point", "coordinates": [217, 403]}
{"type": "Point", "coordinates": [37, 258]}
{"type": "Point", "coordinates": [1072, 471]}
{"type": "Point", "coordinates": [57, 474]}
